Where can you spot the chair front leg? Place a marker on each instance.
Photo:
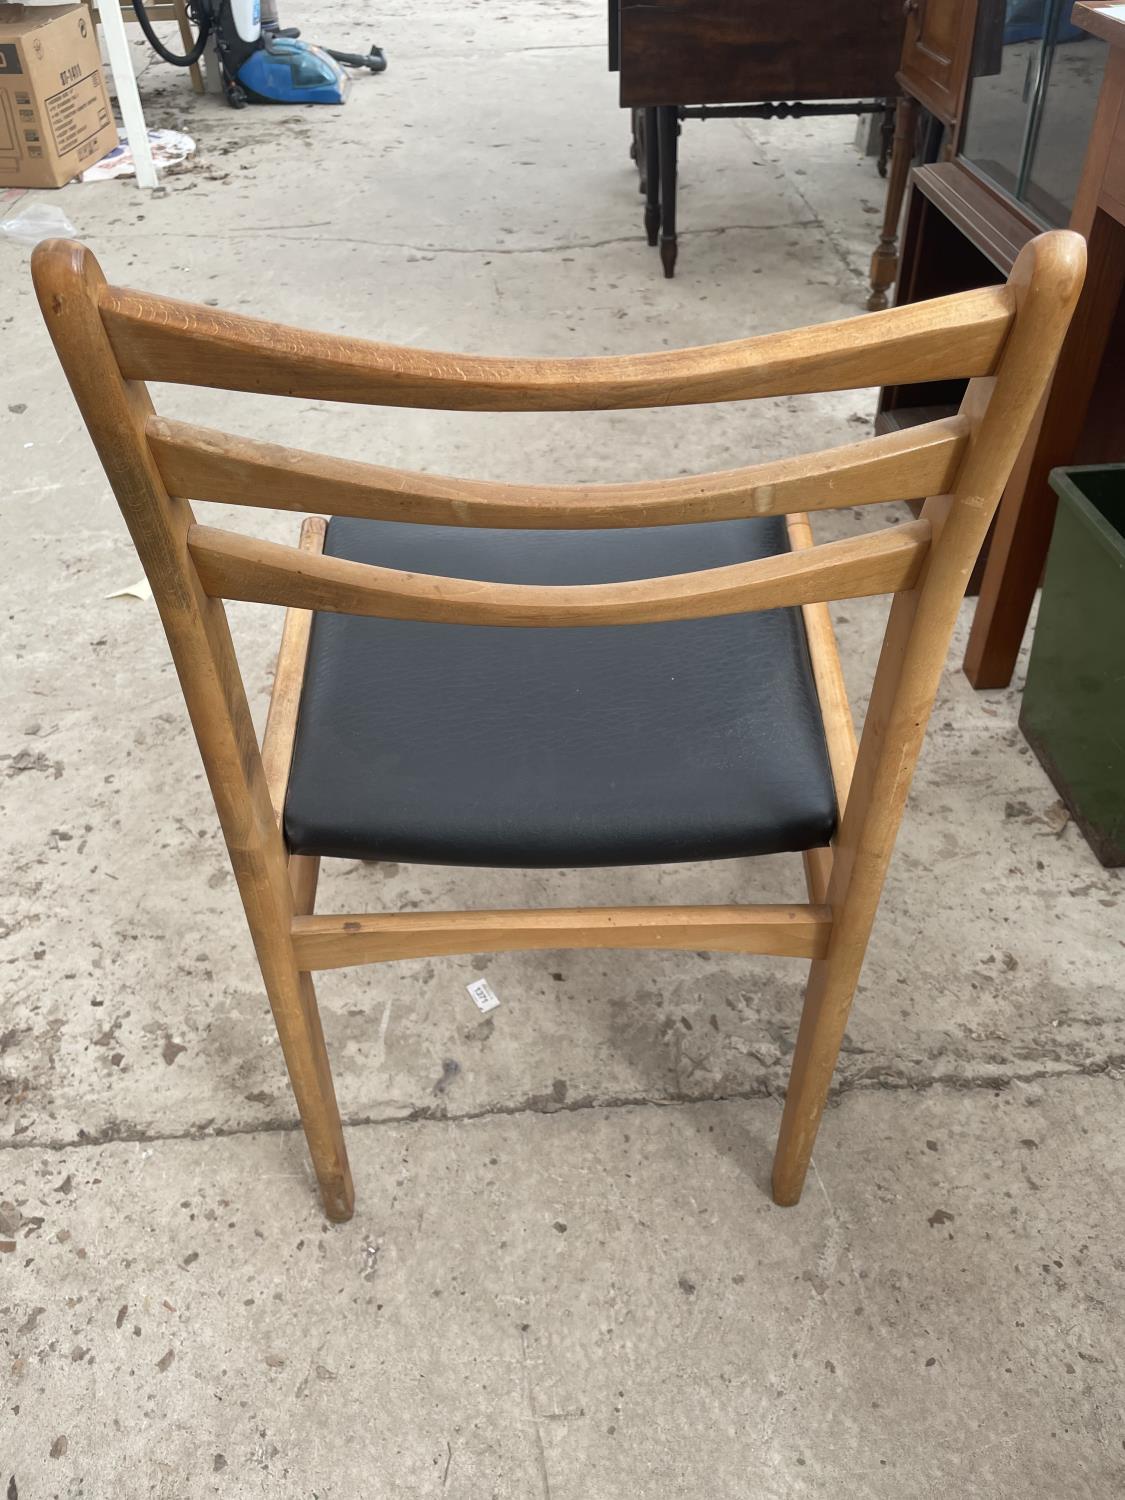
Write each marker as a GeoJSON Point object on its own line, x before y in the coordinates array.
{"type": "Point", "coordinates": [828, 1003]}
{"type": "Point", "coordinates": [292, 999]}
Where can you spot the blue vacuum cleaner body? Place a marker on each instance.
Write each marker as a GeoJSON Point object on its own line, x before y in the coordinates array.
{"type": "Point", "coordinates": [259, 60]}
{"type": "Point", "coordinates": [284, 70]}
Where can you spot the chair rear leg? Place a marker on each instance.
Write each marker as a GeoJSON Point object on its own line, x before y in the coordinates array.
{"type": "Point", "coordinates": [293, 1001]}
{"type": "Point", "coordinates": [828, 1002]}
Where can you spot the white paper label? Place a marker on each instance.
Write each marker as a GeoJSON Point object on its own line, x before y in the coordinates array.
{"type": "Point", "coordinates": [484, 996]}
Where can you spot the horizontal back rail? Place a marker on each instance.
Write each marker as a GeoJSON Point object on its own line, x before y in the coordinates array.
{"type": "Point", "coordinates": [232, 566]}
{"type": "Point", "coordinates": [330, 942]}
{"type": "Point", "coordinates": [199, 464]}
{"type": "Point", "coordinates": [158, 338]}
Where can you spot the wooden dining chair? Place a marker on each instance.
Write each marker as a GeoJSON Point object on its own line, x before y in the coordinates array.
{"type": "Point", "coordinates": [558, 675]}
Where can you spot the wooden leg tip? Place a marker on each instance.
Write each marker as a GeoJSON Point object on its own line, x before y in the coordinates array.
{"type": "Point", "coordinates": [787, 1183]}
{"type": "Point", "coordinates": [339, 1210]}
{"type": "Point", "coordinates": [668, 250]}
{"type": "Point", "coordinates": [338, 1199]}
{"type": "Point", "coordinates": [876, 302]}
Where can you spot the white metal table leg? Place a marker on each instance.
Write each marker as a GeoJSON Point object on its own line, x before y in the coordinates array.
{"type": "Point", "coordinates": [125, 84]}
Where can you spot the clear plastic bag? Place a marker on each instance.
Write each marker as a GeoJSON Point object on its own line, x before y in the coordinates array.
{"type": "Point", "coordinates": [34, 221]}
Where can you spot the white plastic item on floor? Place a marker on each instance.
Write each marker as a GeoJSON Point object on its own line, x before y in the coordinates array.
{"type": "Point", "coordinates": [166, 147]}
{"type": "Point", "coordinates": [33, 221]}
{"type": "Point", "coordinates": [125, 87]}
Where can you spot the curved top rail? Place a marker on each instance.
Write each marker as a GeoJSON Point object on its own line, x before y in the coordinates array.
{"type": "Point", "coordinates": [159, 338]}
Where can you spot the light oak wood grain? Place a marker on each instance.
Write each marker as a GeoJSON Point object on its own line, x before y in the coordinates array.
{"type": "Point", "coordinates": [281, 722]}
{"type": "Point", "coordinates": [831, 692]}
{"type": "Point", "coordinates": [69, 283]}
{"type": "Point", "coordinates": [201, 464]}
{"type": "Point", "coordinates": [1045, 282]}
{"type": "Point", "coordinates": [233, 566]}
{"type": "Point", "coordinates": [1003, 339]}
{"type": "Point", "coordinates": [288, 678]}
{"type": "Point", "coordinates": [818, 874]}
{"type": "Point", "coordinates": [334, 942]}
{"type": "Point", "coordinates": [157, 338]}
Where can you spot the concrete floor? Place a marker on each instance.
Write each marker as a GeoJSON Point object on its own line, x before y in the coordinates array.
{"type": "Point", "coordinates": [564, 1278]}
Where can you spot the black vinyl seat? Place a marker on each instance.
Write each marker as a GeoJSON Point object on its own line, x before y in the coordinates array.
{"type": "Point", "coordinates": [609, 745]}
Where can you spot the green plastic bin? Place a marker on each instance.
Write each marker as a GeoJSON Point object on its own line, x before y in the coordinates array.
{"type": "Point", "coordinates": [1073, 713]}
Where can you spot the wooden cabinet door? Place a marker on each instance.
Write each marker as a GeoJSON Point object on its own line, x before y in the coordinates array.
{"type": "Point", "coordinates": [936, 50]}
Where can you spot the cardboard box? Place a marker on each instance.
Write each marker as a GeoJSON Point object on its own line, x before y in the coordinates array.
{"type": "Point", "coordinates": [55, 118]}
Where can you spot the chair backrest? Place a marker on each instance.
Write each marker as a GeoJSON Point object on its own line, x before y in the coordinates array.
{"type": "Point", "coordinates": [110, 340]}
{"type": "Point", "coordinates": [1004, 339]}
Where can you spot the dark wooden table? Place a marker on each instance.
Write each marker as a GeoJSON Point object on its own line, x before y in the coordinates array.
{"type": "Point", "coordinates": [707, 59]}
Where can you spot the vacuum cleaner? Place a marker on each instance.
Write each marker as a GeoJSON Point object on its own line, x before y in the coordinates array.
{"type": "Point", "coordinates": [260, 62]}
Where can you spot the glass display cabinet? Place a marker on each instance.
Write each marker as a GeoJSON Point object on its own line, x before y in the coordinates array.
{"type": "Point", "coordinates": [1032, 91]}
{"type": "Point", "coordinates": [1007, 89]}
{"type": "Point", "coordinates": [1027, 101]}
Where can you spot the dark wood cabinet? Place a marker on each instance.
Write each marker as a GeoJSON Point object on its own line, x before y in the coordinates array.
{"type": "Point", "coordinates": [936, 47]}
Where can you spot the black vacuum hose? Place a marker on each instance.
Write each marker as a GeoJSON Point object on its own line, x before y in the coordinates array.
{"type": "Point", "coordinates": [202, 17]}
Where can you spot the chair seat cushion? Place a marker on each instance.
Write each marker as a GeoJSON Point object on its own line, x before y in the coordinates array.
{"type": "Point", "coordinates": [608, 745]}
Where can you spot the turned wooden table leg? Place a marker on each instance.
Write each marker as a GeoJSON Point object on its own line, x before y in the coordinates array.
{"type": "Point", "coordinates": [668, 130]}
{"type": "Point", "coordinates": [884, 262]}
{"type": "Point", "coordinates": [652, 176]}
{"type": "Point", "coordinates": [886, 136]}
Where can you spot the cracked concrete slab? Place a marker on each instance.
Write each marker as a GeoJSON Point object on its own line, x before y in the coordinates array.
{"type": "Point", "coordinates": [581, 1307]}
{"type": "Point", "coordinates": [479, 196]}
